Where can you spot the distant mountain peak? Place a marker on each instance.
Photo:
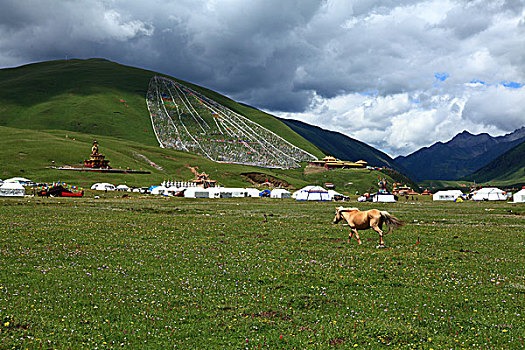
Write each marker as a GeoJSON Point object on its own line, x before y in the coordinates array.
{"type": "Point", "coordinates": [462, 155]}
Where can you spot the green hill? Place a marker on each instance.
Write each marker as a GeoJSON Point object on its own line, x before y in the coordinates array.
{"type": "Point", "coordinates": [31, 153]}
{"type": "Point", "coordinates": [52, 111]}
{"type": "Point", "coordinates": [85, 96]}
{"type": "Point", "coordinates": [506, 170]}
{"type": "Point", "coordinates": [342, 146]}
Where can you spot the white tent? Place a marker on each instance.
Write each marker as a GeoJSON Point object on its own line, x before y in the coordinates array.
{"type": "Point", "coordinates": [280, 193]}
{"type": "Point", "coordinates": [159, 190]}
{"type": "Point", "coordinates": [449, 195]}
{"type": "Point", "coordinates": [174, 189]}
{"type": "Point", "coordinates": [220, 192]}
{"type": "Point", "coordinates": [103, 186]}
{"type": "Point", "coordinates": [312, 193]}
{"type": "Point", "coordinates": [519, 197]}
{"type": "Point", "coordinates": [383, 198]}
{"type": "Point", "coordinates": [252, 192]}
{"type": "Point", "coordinates": [238, 192]}
{"type": "Point", "coordinates": [12, 189]}
{"type": "Point", "coordinates": [21, 180]}
{"type": "Point", "coordinates": [489, 194]}
{"type": "Point", "coordinates": [123, 188]}
{"type": "Point", "coordinates": [196, 192]}
{"type": "Point", "coordinates": [332, 194]}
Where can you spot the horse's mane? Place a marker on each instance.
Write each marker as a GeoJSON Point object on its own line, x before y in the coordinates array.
{"type": "Point", "coordinates": [342, 209]}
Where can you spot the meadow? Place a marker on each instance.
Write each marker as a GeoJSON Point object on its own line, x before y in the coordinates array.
{"type": "Point", "coordinates": [146, 272]}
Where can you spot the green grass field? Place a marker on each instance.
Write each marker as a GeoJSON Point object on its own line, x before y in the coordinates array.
{"type": "Point", "coordinates": [146, 272]}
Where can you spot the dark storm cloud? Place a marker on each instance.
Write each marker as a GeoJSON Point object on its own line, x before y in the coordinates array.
{"type": "Point", "coordinates": [368, 63]}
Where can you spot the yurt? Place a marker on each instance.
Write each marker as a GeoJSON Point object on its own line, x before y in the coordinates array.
{"type": "Point", "coordinates": [449, 195]}
{"type": "Point", "coordinates": [489, 194]}
{"type": "Point", "coordinates": [124, 188]}
{"type": "Point", "coordinates": [280, 193]}
{"type": "Point", "coordinates": [103, 186]}
{"type": "Point", "coordinates": [519, 197]}
{"type": "Point", "coordinates": [312, 193]}
{"type": "Point", "coordinates": [12, 189]}
{"type": "Point", "coordinates": [159, 190]}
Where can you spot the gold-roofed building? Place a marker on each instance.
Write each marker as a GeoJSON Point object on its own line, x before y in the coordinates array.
{"type": "Point", "coordinates": [330, 162]}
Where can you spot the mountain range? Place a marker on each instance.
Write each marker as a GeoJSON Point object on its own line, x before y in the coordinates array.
{"type": "Point", "coordinates": [459, 157]}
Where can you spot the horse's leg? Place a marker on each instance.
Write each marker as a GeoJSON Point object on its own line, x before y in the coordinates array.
{"type": "Point", "coordinates": [357, 236]}
{"type": "Point", "coordinates": [350, 235]}
{"type": "Point", "coordinates": [378, 230]}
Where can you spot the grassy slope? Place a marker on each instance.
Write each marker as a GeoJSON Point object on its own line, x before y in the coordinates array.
{"type": "Point", "coordinates": [341, 146]}
{"type": "Point", "coordinates": [508, 169]}
{"type": "Point", "coordinates": [84, 95]}
{"type": "Point", "coordinates": [28, 153]}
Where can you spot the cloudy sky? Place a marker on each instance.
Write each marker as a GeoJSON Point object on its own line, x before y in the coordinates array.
{"type": "Point", "coordinates": [398, 75]}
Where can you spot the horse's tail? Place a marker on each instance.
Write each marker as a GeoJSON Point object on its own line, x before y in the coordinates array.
{"type": "Point", "coordinates": [390, 220]}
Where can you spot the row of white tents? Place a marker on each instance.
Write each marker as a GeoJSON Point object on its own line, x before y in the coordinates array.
{"type": "Point", "coordinates": [308, 193]}
{"type": "Point", "coordinates": [483, 194]}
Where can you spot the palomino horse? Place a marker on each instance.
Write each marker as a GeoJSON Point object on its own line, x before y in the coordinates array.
{"type": "Point", "coordinates": [363, 220]}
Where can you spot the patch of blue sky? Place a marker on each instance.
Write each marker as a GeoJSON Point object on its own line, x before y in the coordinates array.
{"type": "Point", "coordinates": [441, 76]}
{"type": "Point", "coordinates": [512, 84]}
{"type": "Point", "coordinates": [476, 81]}
{"type": "Point", "coordinates": [369, 93]}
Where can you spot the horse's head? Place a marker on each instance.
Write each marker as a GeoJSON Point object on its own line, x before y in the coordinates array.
{"type": "Point", "coordinates": [339, 213]}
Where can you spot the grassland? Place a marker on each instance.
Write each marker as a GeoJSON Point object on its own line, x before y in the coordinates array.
{"type": "Point", "coordinates": [144, 272]}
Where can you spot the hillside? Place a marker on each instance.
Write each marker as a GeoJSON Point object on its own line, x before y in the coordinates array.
{"type": "Point", "coordinates": [462, 155]}
{"type": "Point", "coordinates": [100, 97]}
{"type": "Point", "coordinates": [507, 169]}
{"type": "Point", "coordinates": [30, 153]}
{"type": "Point", "coordinates": [342, 146]}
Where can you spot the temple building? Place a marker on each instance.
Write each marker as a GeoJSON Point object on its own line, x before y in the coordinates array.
{"type": "Point", "coordinates": [333, 163]}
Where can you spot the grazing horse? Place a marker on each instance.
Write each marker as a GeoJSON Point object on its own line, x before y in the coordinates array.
{"type": "Point", "coordinates": [363, 220]}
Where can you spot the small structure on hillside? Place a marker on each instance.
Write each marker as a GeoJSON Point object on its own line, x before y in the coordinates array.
{"type": "Point", "coordinates": [403, 190]}
{"type": "Point", "coordinates": [330, 162]}
{"type": "Point", "coordinates": [203, 180]}
{"type": "Point", "coordinates": [96, 160]}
